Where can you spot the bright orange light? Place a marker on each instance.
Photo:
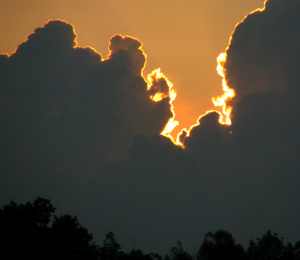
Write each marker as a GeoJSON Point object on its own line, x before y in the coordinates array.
{"type": "Point", "coordinates": [219, 101]}
{"type": "Point", "coordinates": [228, 92]}
{"type": "Point", "coordinates": [186, 133]}
{"type": "Point", "coordinates": [158, 84]}
{"type": "Point", "coordinates": [164, 88]}
{"type": "Point", "coordinates": [222, 100]}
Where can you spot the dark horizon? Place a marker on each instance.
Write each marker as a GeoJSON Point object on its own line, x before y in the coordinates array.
{"type": "Point", "coordinates": [35, 230]}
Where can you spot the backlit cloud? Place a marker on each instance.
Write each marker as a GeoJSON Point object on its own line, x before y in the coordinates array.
{"type": "Point", "coordinates": [64, 108]}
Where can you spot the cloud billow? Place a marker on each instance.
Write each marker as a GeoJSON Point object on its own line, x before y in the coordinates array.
{"type": "Point", "coordinates": [64, 108]}
{"type": "Point", "coordinates": [262, 67]}
{"type": "Point", "coordinates": [257, 156]}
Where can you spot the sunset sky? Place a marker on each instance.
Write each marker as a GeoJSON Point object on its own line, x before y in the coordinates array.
{"type": "Point", "coordinates": [82, 127]}
{"type": "Point", "coordinates": [183, 38]}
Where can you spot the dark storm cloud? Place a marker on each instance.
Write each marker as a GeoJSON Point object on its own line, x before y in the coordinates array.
{"type": "Point", "coordinates": [262, 66]}
{"type": "Point", "coordinates": [263, 53]}
{"type": "Point", "coordinates": [119, 46]}
{"type": "Point", "coordinates": [208, 141]}
{"type": "Point", "coordinates": [63, 108]}
{"type": "Point", "coordinates": [158, 154]}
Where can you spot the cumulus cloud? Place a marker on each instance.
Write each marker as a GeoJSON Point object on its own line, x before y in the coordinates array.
{"type": "Point", "coordinates": [256, 157]}
{"type": "Point", "coordinates": [262, 66]}
{"type": "Point", "coordinates": [127, 47]}
{"type": "Point", "coordinates": [263, 52]}
{"type": "Point", "coordinates": [64, 108]}
{"type": "Point", "coordinates": [208, 140]}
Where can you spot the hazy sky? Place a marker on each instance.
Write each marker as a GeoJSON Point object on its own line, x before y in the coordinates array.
{"type": "Point", "coordinates": [81, 127]}
{"type": "Point", "coordinates": [183, 38]}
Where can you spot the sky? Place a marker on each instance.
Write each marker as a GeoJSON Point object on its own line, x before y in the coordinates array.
{"type": "Point", "coordinates": [82, 125]}
{"type": "Point", "coordinates": [182, 38]}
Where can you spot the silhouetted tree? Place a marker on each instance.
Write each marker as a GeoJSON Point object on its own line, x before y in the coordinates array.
{"type": "Point", "coordinates": [156, 256]}
{"type": "Point", "coordinates": [25, 232]}
{"type": "Point", "coordinates": [26, 217]}
{"type": "Point", "coordinates": [297, 251]}
{"type": "Point", "coordinates": [289, 252]}
{"type": "Point", "coordinates": [178, 253]}
{"type": "Point", "coordinates": [220, 245]}
{"type": "Point", "coordinates": [269, 247]}
{"type": "Point", "coordinates": [24, 228]}
{"type": "Point", "coordinates": [139, 255]}
{"type": "Point", "coordinates": [72, 240]}
{"type": "Point", "coordinates": [110, 249]}
{"type": "Point", "coordinates": [167, 257]}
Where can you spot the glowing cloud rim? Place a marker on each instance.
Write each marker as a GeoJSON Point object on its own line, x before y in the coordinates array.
{"type": "Point", "coordinates": [156, 75]}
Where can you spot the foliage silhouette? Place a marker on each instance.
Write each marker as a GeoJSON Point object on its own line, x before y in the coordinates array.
{"type": "Point", "coordinates": [110, 249]}
{"type": "Point", "coordinates": [32, 231]}
{"type": "Point", "coordinates": [271, 247]}
{"type": "Point", "coordinates": [25, 232]}
{"type": "Point", "coordinates": [72, 240]}
{"type": "Point", "coordinates": [139, 255]}
{"type": "Point", "coordinates": [220, 245]}
{"type": "Point", "coordinates": [177, 252]}
{"type": "Point", "coordinates": [297, 251]}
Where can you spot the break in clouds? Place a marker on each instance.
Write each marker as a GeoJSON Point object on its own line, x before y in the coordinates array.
{"type": "Point", "coordinates": [85, 132]}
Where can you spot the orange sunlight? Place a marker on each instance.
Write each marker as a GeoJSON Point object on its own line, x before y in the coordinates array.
{"type": "Point", "coordinates": [219, 101]}
{"type": "Point", "coordinates": [228, 93]}
{"type": "Point", "coordinates": [155, 79]}
{"type": "Point", "coordinates": [161, 87]}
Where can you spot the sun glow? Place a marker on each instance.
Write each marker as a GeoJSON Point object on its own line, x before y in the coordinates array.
{"type": "Point", "coordinates": [163, 88]}
{"type": "Point", "coordinates": [228, 92]}
{"type": "Point", "coordinates": [221, 101]}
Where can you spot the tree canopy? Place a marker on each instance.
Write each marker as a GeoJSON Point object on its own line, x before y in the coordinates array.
{"type": "Point", "coordinates": [33, 231]}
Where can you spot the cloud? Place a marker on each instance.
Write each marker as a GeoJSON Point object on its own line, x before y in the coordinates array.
{"type": "Point", "coordinates": [263, 51]}
{"type": "Point", "coordinates": [159, 155]}
{"type": "Point", "coordinates": [127, 46]}
{"type": "Point", "coordinates": [256, 156]}
{"type": "Point", "coordinates": [208, 140]}
{"type": "Point", "coordinates": [261, 65]}
{"type": "Point", "coordinates": [64, 108]}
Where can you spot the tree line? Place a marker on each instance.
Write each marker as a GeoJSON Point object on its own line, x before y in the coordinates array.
{"type": "Point", "coordinates": [33, 231]}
